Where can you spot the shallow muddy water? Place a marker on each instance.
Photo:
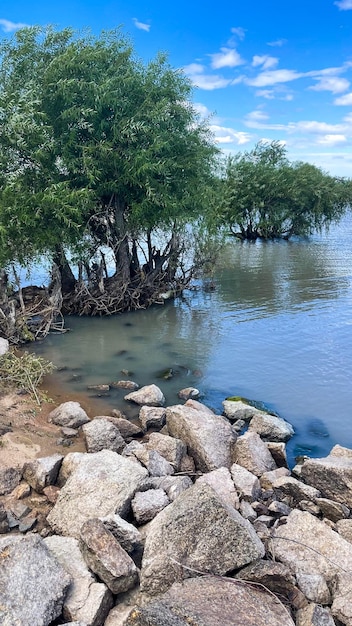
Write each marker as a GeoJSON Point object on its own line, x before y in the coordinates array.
{"type": "Point", "coordinates": [277, 328]}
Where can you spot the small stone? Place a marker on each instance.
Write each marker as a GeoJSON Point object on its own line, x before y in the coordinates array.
{"type": "Point", "coordinates": [69, 433]}
{"type": "Point", "coordinates": [52, 493]}
{"type": "Point", "coordinates": [279, 508]}
{"type": "Point", "coordinates": [334, 511]}
{"type": "Point", "coordinates": [314, 615]}
{"type": "Point", "coordinates": [278, 452]}
{"type": "Point", "coordinates": [22, 491]}
{"type": "Point", "coordinates": [188, 392]}
{"type": "Point", "coordinates": [238, 425]}
{"type": "Point", "coordinates": [246, 483]}
{"type": "Point", "coordinates": [247, 511]}
{"type": "Point", "coordinates": [42, 472]}
{"type": "Point", "coordinates": [9, 479]}
{"type": "Point", "coordinates": [125, 384]}
{"type": "Point", "coordinates": [27, 523]}
{"type": "Point", "coordinates": [101, 434]}
{"type": "Point", "coordinates": [98, 387]}
{"type": "Point", "coordinates": [310, 507]}
{"type": "Point", "coordinates": [268, 478]}
{"type": "Point", "coordinates": [19, 509]}
{"type": "Point", "coordinates": [149, 395]}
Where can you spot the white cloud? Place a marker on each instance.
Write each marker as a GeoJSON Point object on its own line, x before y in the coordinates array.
{"type": "Point", "coordinates": [228, 57]}
{"type": "Point", "coordinates": [331, 83]}
{"type": "Point", "coordinates": [265, 79]}
{"type": "Point", "coordinates": [239, 32]}
{"type": "Point", "coordinates": [195, 72]}
{"type": "Point", "coordinates": [277, 43]}
{"type": "Point", "coordinates": [202, 110]}
{"type": "Point", "coordinates": [10, 27]}
{"type": "Point", "coordinates": [345, 100]}
{"type": "Point", "coordinates": [344, 5]}
{"type": "Point", "coordinates": [268, 94]}
{"type": "Point", "coordinates": [225, 135]}
{"type": "Point", "coordinates": [265, 61]}
{"type": "Point", "coordinates": [332, 140]}
{"type": "Point", "coordinates": [141, 25]}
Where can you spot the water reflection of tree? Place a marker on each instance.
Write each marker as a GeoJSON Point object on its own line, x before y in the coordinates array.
{"type": "Point", "coordinates": [271, 276]}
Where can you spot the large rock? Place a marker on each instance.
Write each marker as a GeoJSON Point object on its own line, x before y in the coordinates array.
{"type": "Point", "coordinates": [211, 601]}
{"type": "Point", "coordinates": [295, 489]}
{"type": "Point", "coordinates": [209, 438]}
{"type": "Point", "coordinates": [252, 453]}
{"type": "Point", "coordinates": [312, 551]}
{"type": "Point", "coordinates": [42, 472]}
{"type": "Point", "coordinates": [191, 533]}
{"type": "Point", "coordinates": [239, 410]}
{"type": "Point", "coordinates": [33, 584]}
{"type": "Point", "coordinates": [87, 600]}
{"type": "Point", "coordinates": [150, 395]}
{"type": "Point", "coordinates": [69, 414]}
{"type": "Point", "coordinates": [100, 483]}
{"type": "Point", "coordinates": [332, 475]}
{"type": "Point", "coordinates": [106, 557]}
{"type": "Point", "coordinates": [101, 434]}
{"type": "Point", "coordinates": [270, 427]}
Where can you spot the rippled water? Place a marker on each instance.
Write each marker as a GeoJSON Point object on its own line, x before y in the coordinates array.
{"type": "Point", "coordinates": [278, 329]}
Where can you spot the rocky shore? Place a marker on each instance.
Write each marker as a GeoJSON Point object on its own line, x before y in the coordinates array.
{"type": "Point", "coordinates": [186, 517]}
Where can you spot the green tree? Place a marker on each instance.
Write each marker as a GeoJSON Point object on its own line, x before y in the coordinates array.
{"type": "Point", "coordinates": [266, 196]}
{"type": "Point", "coordinates": [103, 161]}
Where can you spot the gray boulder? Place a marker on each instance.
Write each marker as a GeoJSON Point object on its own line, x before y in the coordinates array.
{"type": "Point", "coordinates": [171, 448]}
{"type": "Point", "coordinates": [220, 480]}
{"type": "Point", "coordinates": [69, 414]}
{"type": "Point", "coordinates": [101, 434]}
{"type": "Point", "coordinates": [172, 485]}
{"type": "Point", "coordinates": [147, 504]}
{"type": "Point", "coordinates": [100, 483]}
{"type": "Point", "coordinates": [126, 534]}
{"type": "Point", "coordinates": [252, 453]}
{"type": "Point", "coordinates": [246, 483]}
{"type": "Point", "coordinates": [309, 547]}
{"type": "Point", "coordinates": [270, 427]}
{"type": "Point", "coordinates": [190, 534]}
{"type": "Point", "coordinates": [210, 601]}
{"type": "Point", "coordinates": [106, 558]}
{"type": "Point", "coordinates": [33, 585]}
{"type": "Point", "coordinates": [239, 410]}
{"type": "Point", "coordinates": [42, 472]}
{"type": "Point", "coordinates": [152, 417]}
{"type": "Point", "coordinates": [294, 488]}
{"type": "Point", "coordinates": [209, 438]}
{"type": "Point", "coordinates": [332, 475]}
{"type": "Point", "coordinates": [150, 395]}
{"type": "Point", "coordinates": [87, 600]}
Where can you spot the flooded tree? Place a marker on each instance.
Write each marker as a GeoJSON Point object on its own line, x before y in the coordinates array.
{"type": "Point", "coordinates": [103, 163]}
{"type": "Point", "coordinates": [266, 196]}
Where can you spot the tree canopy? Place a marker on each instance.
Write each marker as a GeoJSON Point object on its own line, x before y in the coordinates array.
{"type": "Point", "coordinates": [103, 160]}
{"type": "Point", "coordinates": [267, 196]}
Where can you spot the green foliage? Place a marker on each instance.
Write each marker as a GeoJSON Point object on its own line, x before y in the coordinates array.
{"type": "Point", "coordinates": [24, 372]}
{"type": "Point", "coordinates": [267, 196]}
{"type": "Point", "coordinates": [93, 144]}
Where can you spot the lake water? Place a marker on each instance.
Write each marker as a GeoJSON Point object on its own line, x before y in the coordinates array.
{"type": "Point", "coordinates": [277, 329]}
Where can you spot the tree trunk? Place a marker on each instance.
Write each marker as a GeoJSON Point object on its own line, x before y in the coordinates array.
{"type": "Point", "coordinates": [122, 251]}
{"type": "Point", "coordinates": [68, 281]}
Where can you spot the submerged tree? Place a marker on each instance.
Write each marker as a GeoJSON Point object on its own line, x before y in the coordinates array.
{"type": "Point", "coordinates": [266, 196]}
{"type": "Point", "coordinates": [103, 162]}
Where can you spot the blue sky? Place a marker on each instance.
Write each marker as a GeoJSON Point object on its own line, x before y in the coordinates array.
{"type": "Point", "coordinates": [280, 69]}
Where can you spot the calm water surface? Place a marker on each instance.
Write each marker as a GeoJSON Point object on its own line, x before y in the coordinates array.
{"type": "Point", "coordinates": [277, 329]}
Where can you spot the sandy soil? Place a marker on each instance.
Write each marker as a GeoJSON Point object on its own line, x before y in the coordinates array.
{"type": "Point", "coordinates": [30, 434]}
